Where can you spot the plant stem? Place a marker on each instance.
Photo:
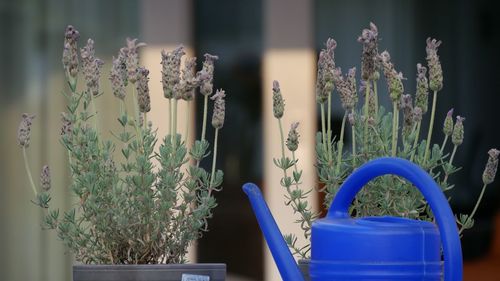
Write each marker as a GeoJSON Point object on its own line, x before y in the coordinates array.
{"type": "Point", "coordinates": [415, 141]}
{"type": "Point", "coordinates": [367, 96]}
{"type": "Point", "coordinates": [353, 146]}
{"type": "Point", "coordinates": [137, 118]}
{"type": "Point", "coordinates": [282, 144]}
{"type": "Point", "coordinates": [186, 131]}
{"type": "Point", "coordinates": [444, 143]}
{"type": "Point", "coordinates": [214, 161]}
{"type": "Point", "coordinates": [329, 124]}
{"type": "Point", "coordinates": [431, 125]}
{"type": "Point", "coordinates": [323, 129]}
{"type": "Point", "coordinates": [376, 97]}
{"type": "Point", "coordinates": [96, 127]}
{"type": "Point", "coordinates": [27, 167]}
{"type": "Point", "coordinates": [203, 128]}
{"type": "Point", "coordinates": [170, 116]}
{"type": "Point", "coordinates": [395, 124]}
{"type": "Point", "coordinates": [450, 162]}
{"type": "Point", "coordinates": [341, 143]}
{"type": "Point", "coordinates": [174, 119]}
{"type": "Point", "coordinates": [475, 208]}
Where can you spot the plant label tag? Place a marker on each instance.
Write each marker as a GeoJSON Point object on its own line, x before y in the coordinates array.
{"type": "Point", "coordinates": [192, 277]}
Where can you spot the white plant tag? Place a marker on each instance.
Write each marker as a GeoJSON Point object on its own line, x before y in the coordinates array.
{"type": "Point", "coordinates": [192, 277]}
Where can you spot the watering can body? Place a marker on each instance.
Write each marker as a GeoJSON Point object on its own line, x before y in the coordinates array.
{"type": "Point", "coordinates": [372, 248]}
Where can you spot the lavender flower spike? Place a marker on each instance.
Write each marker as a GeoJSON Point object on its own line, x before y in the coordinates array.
{"type": "Point", "coordinates": [45, 178]}
{"type": "Point", "coordinates": [70, 51]}
{"type": "Point", "coordinates": [143, 98]}
{"type": "Point", "coordinates": [171, 67]}
{"type": "Point", "coordinates": [91, 68]}
{"type": "Point", "coordinates": [292, 142]}
{"type": "Point", "coordinates": [369, 39]}
{"type": "Point", "coordinates": [422, 95]}
{"type": "Point", "coordinates": [24, 130]}
{"type": "Point", "coordinates": [219, 109]}
{"type": "Point", "coordinates": [207, 72]}
{"type": "Point", "coordinates": [118, 76]}
{"type": "Point", "coordinates": [458, 131]}
{"type": "Point", "coordinates": [448, 123]}
{"type": "Point", "coordinates": [394, 79]}
{"type": "Point", "coordinates": [326, 68]}
{"type": "Point", "coordinates": [435, 70]}
{"type": "Point", "coordinates": [490, 170]}
{"type": "Point", "coordinates": [278, 102]}
{"type": "Point", "coordinates": [132, 58]}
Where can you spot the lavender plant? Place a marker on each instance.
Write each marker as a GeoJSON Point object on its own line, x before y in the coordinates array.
{"type": "Point", "coordinates": [136, 205]}
{"type": "Point", "coordinates": [375, 133]}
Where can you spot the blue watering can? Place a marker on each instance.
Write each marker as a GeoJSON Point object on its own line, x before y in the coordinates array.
{"type": "Point", "coordinates": [372, 248]}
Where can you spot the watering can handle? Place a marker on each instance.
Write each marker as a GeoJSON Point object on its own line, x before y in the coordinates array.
{"type": "Point", "coordinates": [445, 219]}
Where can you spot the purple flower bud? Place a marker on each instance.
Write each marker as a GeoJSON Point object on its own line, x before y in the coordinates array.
{"type": "Point", "coordinates": [45, 178]}
{"type": "Point", "coordinates": [422, 88]}
{"type": "Point", "coordinates": [448, 123]}
{"type": "Point", "coordinates": [490, 170]}
{"type": "Point", "coordinates": [132, 58]}
{"type": "Point", "coordinates": [292, 141]}
{"type": "Point", "coordinates": [458, 131]}
{"type": "Point", "coordinates": [207, 84]}
{"type": "Point", "coordinates": [24, 130]}
{"type": "Point", "coordinates": [435, 70]}
{"type": "Point", "coordinates": [278, 102]}
{"type": "Point", "coordinates": [143, 98]}
{"type": "Point", "coordinates": [70, 51]}
{"type": "Point", "coordinates": [171, 65]}
{"type": "Point", "coordinates": [91, 68]}
{"type": "Point", "coordinates": [369, 40]}
{"type": "Point", "coordinates": [326, 66]}
{"type": "Point", "coordinates": [219, 109]}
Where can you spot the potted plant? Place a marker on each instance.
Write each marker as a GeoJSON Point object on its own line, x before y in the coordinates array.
{"type": "Point", "coordinates": [138, 208]}
{"type": "Point", "coordinates": [375, 132]}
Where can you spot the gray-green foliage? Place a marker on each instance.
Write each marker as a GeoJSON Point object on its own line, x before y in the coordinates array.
{"type": "Point", "coordinates": [375, 132]}
{"type": "Point", "coordinates": [135, 204]}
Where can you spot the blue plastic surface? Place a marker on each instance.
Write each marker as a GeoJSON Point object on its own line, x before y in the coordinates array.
{"type": "Point", "coordinates": [372, 248]}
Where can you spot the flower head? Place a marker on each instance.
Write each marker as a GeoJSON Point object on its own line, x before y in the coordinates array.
{"type": "Point", "coordinates": [457, 137]}
{"type": "Point", "coordinates": [346, 86]}
{"type": "Point", "coordinates": [70, 51]}
{"type": "Point", "coordinates": [369, 39]}
{"type": "Point", "coordinates": [417, 114]}
{"type": "Point", "coordinates": [91, 68]}
{"type": "Point", "coordinates": [394, 79]}
{"type": "Point", "coordinates": [45, 178]}
{"type": "Point", "coordinates": [189, 80]}
{"type": "Point", "coordinates": [132, 58]}
{"type": "Point", "coordinates": [278, 102]}
{"type": "Point", "coordinates": [171, 67]}
{"type": "Point", "coordinates": [219, 109]}
{"type": "Point", "coordinates": [408, 118]}
{"type": "Point", "coordinates": [118, 76]}
{"type": "Point", "coordinates": [490, 170]}
{"type": "Point", "coordinates": [143, 98]}
{"type": "Point", "coordinates": [448, 123]}
{"type": "Point", "coordinates": [422, 88]}
{"type": "Point", "coordinates": [207, 73]}
{"type": "Point", "coordinates": [24, 130]}
{"type": "Point", "coordinates": [292, 141]}
{"type": "Point", "coordinates": [326, 67]}
{"type": "Point", "coordinates": [435, 70]}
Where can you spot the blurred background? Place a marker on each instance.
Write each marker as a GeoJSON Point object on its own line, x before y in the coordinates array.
{"type": "Point", "coordinates": [257, 41]}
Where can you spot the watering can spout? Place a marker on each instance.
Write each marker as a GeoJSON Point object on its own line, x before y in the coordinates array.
{"type": "Point", "coordinates": [282, 256]}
